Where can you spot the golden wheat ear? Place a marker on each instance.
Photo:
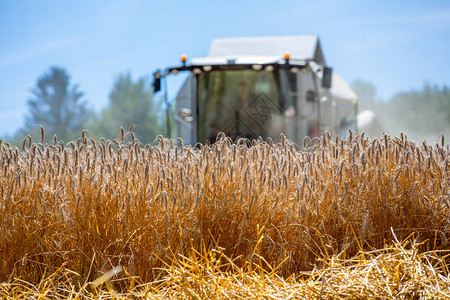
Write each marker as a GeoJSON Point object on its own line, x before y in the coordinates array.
{"type": "Point", "coordinates": [42, 134]}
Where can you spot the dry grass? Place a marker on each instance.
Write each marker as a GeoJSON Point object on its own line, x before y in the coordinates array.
{"type": "Point", "coordinates": [391, 273]}
{"type": "Point", "coordinates": [237, 220]}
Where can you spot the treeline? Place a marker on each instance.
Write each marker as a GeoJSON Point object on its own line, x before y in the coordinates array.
{"type": "Point", "coordinates": [422, 114]}
{"type": "Point", "coordinates": [62, 109]}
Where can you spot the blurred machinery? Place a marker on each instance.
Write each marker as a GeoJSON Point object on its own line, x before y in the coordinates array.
{"type": "Point", "coordinates": [261, 86]}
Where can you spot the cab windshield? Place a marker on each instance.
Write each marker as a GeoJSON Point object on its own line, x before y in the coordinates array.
{"type": "Point", "coordinates": [243, 103]}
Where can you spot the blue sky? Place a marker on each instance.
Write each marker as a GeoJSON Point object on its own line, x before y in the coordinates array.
{"type": "Point", "coordinates": [396, 45]}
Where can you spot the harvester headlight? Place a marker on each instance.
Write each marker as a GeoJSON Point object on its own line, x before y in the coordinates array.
{"type": "Point", "coordinates": [207, 68]}
{"type": "Point", "coordinates": [175, 71]}
{"type": "Point", "coordinates": [256, 67]}
{"type": "Point", "coordinates": [269, 68]}
{"type": "Point", "coordinates": [185, 114]}
{"type": "Point", "coordinates": [197, 71]}
{"type": "Point", "coordinates": [294, 70]}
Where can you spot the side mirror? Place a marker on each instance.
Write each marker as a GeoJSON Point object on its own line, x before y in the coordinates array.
{"type": "Point", "coordinates": [156, 81]}
{"type": "Point", "coordinates": [326, 77]}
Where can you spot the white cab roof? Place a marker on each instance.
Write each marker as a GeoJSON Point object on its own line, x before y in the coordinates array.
{"type": "Point", "coordinates": [302, 47]}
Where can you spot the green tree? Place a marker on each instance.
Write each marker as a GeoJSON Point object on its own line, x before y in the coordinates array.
{"type": "Point", "coordinates": [422, 114]}
{"type": "Point", "coordinates": [130, 103]}
{"type": "Point", "coordinates": [57, 105]}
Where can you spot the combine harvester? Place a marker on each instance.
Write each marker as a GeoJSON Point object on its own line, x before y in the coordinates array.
{"type": "Point", "coordinates": [261, 86]}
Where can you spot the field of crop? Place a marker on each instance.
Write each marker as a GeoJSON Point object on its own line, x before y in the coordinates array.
{"type": "Point", "coordinates": [334, 218]}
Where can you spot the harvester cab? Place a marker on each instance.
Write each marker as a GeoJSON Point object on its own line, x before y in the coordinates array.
{"type": "Point", "coordinates": [260, 87]}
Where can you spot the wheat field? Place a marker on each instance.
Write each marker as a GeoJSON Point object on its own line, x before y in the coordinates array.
{"type": "Point", "coordinates": [336, 218]}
